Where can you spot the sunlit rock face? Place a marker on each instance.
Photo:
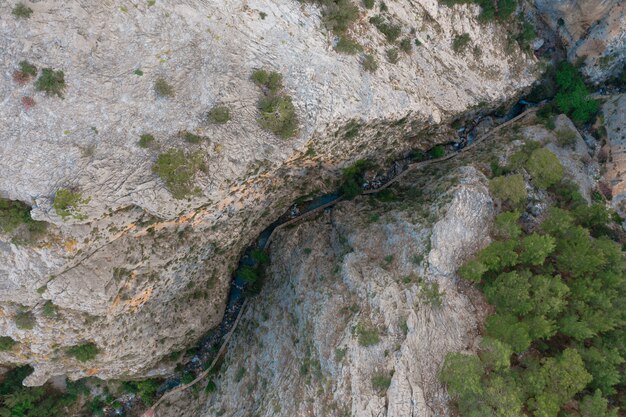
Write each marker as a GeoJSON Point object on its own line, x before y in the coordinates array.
{"type": "Point", "coordinates": [140, 273]}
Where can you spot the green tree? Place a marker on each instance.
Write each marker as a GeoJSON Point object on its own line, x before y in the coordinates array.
{"type": "Point", "coordinates": [494, 354]}
{"type": "Point", "coordinates": [461, 374]}
{"type": "Point", "coordinates": [510, 293]}
{"type": "Point", "coordinates": [548, 295]}
{"type": "Point", "coordinates": [507, 329]}
{"type": "Point", "coordinates": [511, 189]}
{"type": "Point", "coordinates": [572, 96]}
{"type": "Point", "coordinates": [84, 352]}
{"type": "Point", "coordinates": [576, 254]}
{"type": "Point", "coordinates": [472, 270]}
{"type": "Point", "coordinates": [558, 222]}
{"type": "Point", "coordinates": [535, 248]}
{"type": "Point", "coordinates": [506, 226]}
{"type": "Point", "coordinates": [499, 255]}
{"type": "Point", "coordinates": [596, 406]}
{"type": "Point", "coordinates": [544, 168]}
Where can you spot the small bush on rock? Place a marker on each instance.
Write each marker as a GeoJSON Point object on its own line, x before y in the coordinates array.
{"type": "Point", "coordinates": [163, 89]}
{"type": "Point", "coordinates": [369, 63]}
{"type": "Point", "coordinates": [219, 114]}
{"type": "Point", "coordinates": [25, 320]}
{"type": "Point", "coordinates": [51, 82]}
{"type": "Point", "coordinates": [346, 45]}
{"type": "Point", "coordinates": [84, 352]}
{"type": "Point", "coordinates": [146, 140]}
{"type": "Point", "coordinates": [6, 343]}
{"type": "Point", "coordinates": [178, 169]}
{"type": "Point", "coordinates": [460, 42]}
{"type": "Point", "coordinates": [66, 203]}
{"type": "Point", "coordinates": [21, 11]}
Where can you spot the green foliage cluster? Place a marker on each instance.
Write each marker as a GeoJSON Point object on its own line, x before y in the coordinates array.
{"type": "Point", "coordinates": [544, 168]}
{"type": "Point", "coordinates": [14, 214]}
{"type": "Point", "coordinates": [510, 188]}
{"type": "Point", "coordinates": [191, 137]}
{"type": "Point", "coordinates": [21, 11]}
{"type": "Point", "coordinates": [437, 152]}
{"type": "Point", "coordinates": [66, 203]}
{"type": "Point", "coordinates": [51, 82]}
{"type": "Point", "coordinates": [490, 9]}
{"type": "Point", "coordinates": [163, 89]}
{"type": "Point", "coordinates": [178, 169]}
{"type": "Point", "coordinates": [17, 400]}
{"type": "Point", "coordinates": [369, 63]}
{"type": "Point", "coordinates": [6, 343]}
{"type": "Point", "coordinates": [391, 31]}
{"type": "Point", "coordinates": [278, 113]}
{"type": "Point", "coordinates": [367, 334]}
{"type": "Point", "coordinates": [84, 352]}
{"type": "Point", "coordinates": [347, 45]}
{"type": "Point", "coordinates": [338, 15]}
{"type": "Point", "coordinates": [25, 320]}
{"type": "Point", "coordinates": [392, 55]}
{"type": "Point", "coordinates": [146, 140]}
{"type": "Point", "coordinates": [555, 345]}
{"type": "Point", "coordinates": [460, 42]}
{"type": "Point", "coordinates": [572, 97]}
{"type": "Point", "coordinates": [219, 114]}
{"type": "Point", "coordinates": [566, 138]}
{"type": "Point", "coordinates": [146, 389]}
{"type": "Point", "coordinates": [381, 381]}
{"type": "Point", "coordinates": [352, 178]}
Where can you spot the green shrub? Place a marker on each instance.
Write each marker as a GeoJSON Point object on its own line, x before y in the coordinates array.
{"type": "Point", "coordinates": [437, 152]}
{"type": "Point", "coordinates": [506, 226]}
{"type": "Point", "coordinates": [392, 55]}
{"type": "Point", "coordinates": [6, 343]}
{"type": "Point", "coordinates": [21, 11]}
{"type": "Point", "coordinates": [405, 45]}
{"type": "Point", "coordinates": [278, 115]}
{"type": "Point", "coordinates": [84, 352]}
{"type": "Point", "coordinates": [544, 168]}
{"type": "Point", "coordinates": [191, 137]}
{"type": "Point", "coordinates": [369, 63]}
{"type": "Point", "coordinates": [272, 81]}
{"type": "Point", "coordinates": [572, 97]}
{"type": "Point", "coordinates": [566, 138]}
{"type": "Point", "coordinates": [66, 203]}
{"type": "Point", "coordinates": [369, 4]}
{"type": "Point", "coordinates": [511, 188]}
{"type": "Point", "coordinates": [248, 274]}
{"type": "Point", "coordinates": [49, 309]}
{"type": "Point", "coordinates": [367, 334]}
{"type": "Point", "coordinates": [28, 68]}
{"type": "Point", "coordinates": [25, 320]}
{"type": "Point", "coordinates": [51, 82]}
{"type": "Point", "coordinates": [163, 89]}
{"type": "Point", "coordinates": [178, 169]}
{"type": "Point", "coordinates": [146, 140]}
{"type": "Point", "coordinates": [546, 116]}
{"type": "Point", "coordinates": [338, 15]}
{"type": "Point", "coordinates": [472, 270]}
{"type": "Point", "coordinates": [417, 42]}
{"type": "Point", "coordinates": [381, 382]}
{"type": "Point", "coordinates": [352, 177]}
{"type": "Point", "coordinates": [506, 8]}
{"type": "Point", "coordinates": [460, 42]}
{"type": "Point", "coordinates": [348, 46]}
{"type": "Point", "coordinates": [219, 114]}
{"type": "Point", "coordinates": [391, 31]}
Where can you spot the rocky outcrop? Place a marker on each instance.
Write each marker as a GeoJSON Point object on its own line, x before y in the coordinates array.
{"type": "Point", "coordinates": [614, 151]}
{"type": "Point", "coordinates": [124, 275]}
{"type": "Point", "coordinates": [360, 307]}
{"type": "Point", "coordinates": [592, 30]}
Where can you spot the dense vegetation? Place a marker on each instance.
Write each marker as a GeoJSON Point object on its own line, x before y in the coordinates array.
{"type": "Point", "coordinates": [14, 214]}
{"type": "Point", "coordinates": [555, 345]}
{"type": "Point", "coordinates": [490, 9]}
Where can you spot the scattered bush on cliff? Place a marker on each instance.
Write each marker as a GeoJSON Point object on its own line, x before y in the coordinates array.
{"type": "Point", "coordinates": [21, 11]}
{"type": "Point", "coordinates": [146, 140]}
{"type": "Point", "coordinates": [558, 297]}
{"type": "Point", "coordinates": [51, 82]}
{"type": "Point", "coordinates": [25, 320]}
{"type": "Point", "coordinates": [66, 204]}
{"type": "Point", "coordinates": [14, 214]}
{"type": "Point", "coordinates": [390, 30]}
{"type": "Point", "coordinates": [367, 334]}
{"type": "Point", "coordinates": [381, 382]}
{"type": "Point", "coordinates": [163, 89]}
{"type": "Point", "coordinates": [6, 343]}
{"type": "Point", "coordinates": [219, 114]}
{"type": "Point", "coordinates": [369, 63]}
{"type": "Point", "coordinates": [178, 169]}
{"type": "Point", "coordinates": [460, 42]}
{"type": "Point", "coordinates": [26, 72]}
{"type": "Point", "coordinates": [277, 112]}
{"type": "Point", "coordinates": [347, 45]}
{"type": "Point", "coordinates": [488, 10]}
{"type": "Point", "coordinates": [352, 178]}
{"type": "Point", "coordinates": [84, 352]}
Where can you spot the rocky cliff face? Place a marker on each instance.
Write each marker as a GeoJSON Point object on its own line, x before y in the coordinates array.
{"type": "Point", "coordinates": [592, 30]}
{"type": "Point", "coordinates": [141, 273]}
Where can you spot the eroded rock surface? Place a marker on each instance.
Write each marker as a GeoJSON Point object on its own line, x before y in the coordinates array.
{"type": "Point", "coordinates": [144, 274]}
{"type": "Point", "coordinates": [592, 30]}
{"type": "Point", "coordinates": [346, 311]}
